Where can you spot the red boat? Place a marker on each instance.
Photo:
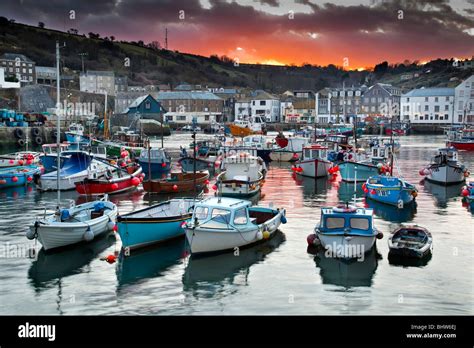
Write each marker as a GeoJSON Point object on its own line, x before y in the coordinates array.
{"type": "Point", "coordinates": [122, 180]}
{"type": "Point", "coordinates": [388, 131]}
{"type": "Point", "coordinates": [461, 140]}
{"type": "Point", "coordinates": [462, 145]}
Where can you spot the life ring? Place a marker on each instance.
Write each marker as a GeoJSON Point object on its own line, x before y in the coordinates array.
{"type": "Point", "coordinates": [344, 209]}
{"type": "Point", "coordinates": [35, 132]}
{"type": "Point", "coordinates": [38, 140]}
{"type": "Point", "coordinates": [18, 133]}
{"type": "Point", "coordinates": [20, 142]}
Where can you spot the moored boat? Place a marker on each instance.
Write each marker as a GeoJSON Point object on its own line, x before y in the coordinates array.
{"type": "Point", "coordinates": [314, 163]}
{"type": "Point", "coordinates": [241, 175]}
{"type": "Point", "coordinates": [75, 134]}
{"type": "Point", "coordinates": [390, 190]}
{"type": "Point", "coordinates": [18, 176]}
{"type": "Point", "coordinates": [205, 163]}
{"type": "Point", "coordinates": [81, 223]}
{"type": "Point", "coordinates": [178, 182]}
{"type": "Point", "coordinates": [410, 241]}
{"type": "Point", "coordinates": [154, 161]}
{"type": "Point", "coordinates": [445, 168]}
{"type": "Point", "coordinates": [220, 223]}
{"type": "Point", "coordinates": [19, 159]}
{"type": "Point", "coordinates": [291, 152]}
{"type": "Point", "coordinates": [155, 224]}
{"type": "Point", "coordinates": [119, 180]}
{"type": "Point", "coordinates": [245, 127]}
{"type": "Point", "coordinates": [461, 139]}
{"type": "Point", "coordinates": [345, 231]}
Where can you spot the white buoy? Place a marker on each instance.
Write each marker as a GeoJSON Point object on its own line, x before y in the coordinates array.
{"type": "Point", "coordinates": [110, 225]}
{"type": "Point", "coordinates": [259, 235]}
{"type": "Point", "coordinates": [88, 235]}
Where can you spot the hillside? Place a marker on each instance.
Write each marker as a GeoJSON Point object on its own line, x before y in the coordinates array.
{"type": "Point", "coordinates": [152, 65]}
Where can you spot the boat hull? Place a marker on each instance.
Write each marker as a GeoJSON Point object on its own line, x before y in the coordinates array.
{"type": "Point", "coordinates": [77, 138]}
{"type": "Point", "coordinates": [346, 246]}
{"type": "Point", "coordinates": [446, 175]}
{"type": "Point", "coordinates": [237, 131]}
{"type": "Point", "coordinates": [140, 233]}
{"type": "Point", "coordinates": [202, 240]}
{"type": "Point", "coordinates": [187, 164]}
{"type": "Point", "coordinates": [284, 156]}
{"type": "Point", "coordinates": [23, 174]}
{"type": "Point", "coordinates": [390, 195]}
{"type": "Point", "coordinates": [364, 171]}
{"type": "Point", "coordinates": [460, 145]}
{"type": "Point", "coordinates": [55, 235]}
{"type": "Point", "coordinates": [315, 168]}
{"type": "Point", "coordinates": [186, 184]}
{"type": "Point", "coordinates": [99, 187]}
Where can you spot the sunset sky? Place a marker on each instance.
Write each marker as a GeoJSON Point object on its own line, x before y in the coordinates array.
{"type": "Point", "coordinates": [363, 33]}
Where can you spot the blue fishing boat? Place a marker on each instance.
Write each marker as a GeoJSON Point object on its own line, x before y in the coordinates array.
{"type": "Point", "coordinates": [18, 176]}
{"type": "Point", "coordinates": [155, 160]}
{"type": "Point", "coordinates": [75, 134]}
{"type": "Point", "coordinates": [390, 190]}
{"type": "Point", "coordinates": [345, 231]}
{"type": "Point", "coordinates": [155, 224]}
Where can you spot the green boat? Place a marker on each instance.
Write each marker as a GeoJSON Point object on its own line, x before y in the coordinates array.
{"type": "Point", "coordinates": [114, 148]}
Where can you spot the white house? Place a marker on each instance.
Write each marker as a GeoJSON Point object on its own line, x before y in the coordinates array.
{"type": "Point", "coordinates": [266, 105]}
{"type": "Point", "coordinates": [464, 101]}
{"type": "Point", "coordinates": [242, 108]}
{"type": "Point", "coordinates": [428, 106]}
{"type": "Point", "coordinates": [4, 84]}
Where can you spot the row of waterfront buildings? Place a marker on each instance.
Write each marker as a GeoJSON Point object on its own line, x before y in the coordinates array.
{"type": "Point", "coordinates": [218, 104]}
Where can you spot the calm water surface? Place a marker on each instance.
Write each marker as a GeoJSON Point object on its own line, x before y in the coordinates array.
{"type": "Point", "coordinates": [277, 277]}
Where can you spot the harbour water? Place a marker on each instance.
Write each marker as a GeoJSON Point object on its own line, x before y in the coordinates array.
{"type": "Point", "coordinates": [276, 277]}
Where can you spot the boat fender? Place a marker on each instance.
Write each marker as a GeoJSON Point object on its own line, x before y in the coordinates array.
{"type": "Point", "coordinates": [266, 234]}
{"type": "Point", "coordinates": [18, 133]}
{"type": "Point", "coordinates": [21, 142]}
{"type": "Point", "coordinates": [467, 174]}
{"type": "Point", "coordinates": [88, 235]}
{"type": "Point", "coordinates": [259, 235]}
{"type": "Point", "coordinates": [35, 132]}
{"type": "Point", "coordinates": [33, 234]}
{"type": "Point", "coordinates": [313, 240]}
{"type": "Point", "coordinates": [379, 235]}
{"type": "Point", "coordinates": [110, 225]}
{"type": "Point", "coordinates": [283, 219]}
{"type": "Point", "coordinates": [65, 214]}
{"type": "Point", "coordinates": [38, 140]}
{"type": "Point", "coordinates": [414, 194]}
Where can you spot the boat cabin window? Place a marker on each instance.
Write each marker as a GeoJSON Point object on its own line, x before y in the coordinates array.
{"type": "Point", "coordinates": [359, 223]}
{"type": "Point", "coordinates": [200, 213]}
{"type": "Point", "coordinates": [335, 222]}
{"type": "Point", "coordinates": [240, 217]}
{"type": "Point", "coordinates": [307, 153]}
{"type": "Point", "coordinates": [221, 215]}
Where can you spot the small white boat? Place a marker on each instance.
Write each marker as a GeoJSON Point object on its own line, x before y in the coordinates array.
{"type": "Point", "coordinates": [445, 168]}
{"type": "Point", "coordinates": [410, 241]}
{"type": "Point", "coordinates": [19, 159]}
{"type": "Point", "coordinates": [314, 163]}
{"type": "Point", "coordinates": [77, 224]}
{"type": "Point", "coordinates": [241, 175]}
{"type": "Point", "coordinates": [221, 223]}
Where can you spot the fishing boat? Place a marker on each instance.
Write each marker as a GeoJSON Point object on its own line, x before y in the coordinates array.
{"type": "Point", "coordinates": [221, 223]}
{"type": "Point", "coordinates": [410, 241]}
{"type": "Point", "coordinates": [206, 147]}
{"type": "Point", "coordinates": [390, 190]}
{"type": "Point", "coordinates": [281, 140]}
{"type": "Point", "coordinates": [461, 139]}
{"type": "Point", "coordinates": [245, 127]}
{"type": "Point", "coordinates": [178, 182]}
{"type": "Point", "coordinates": [314, 163]}
{"type": "Point", "coordinates": [154, 161]}
{"type": "Point", "coordinates": [49, 156]}
{"type": "Point", "coordinates": [113, 181]}
{"type": "Point", "coordinates": [77, 166]}
{"type": "Point", "coordinates": [205, 163]}
{"type": "Point", "coordinates": [358, 166]}
{"type": "Point", "coordinates": [291, 152]}
{"type": "Point", "coordinates": [78, 223]}
{"type": "Point", "coordinates": [115, 148]}
{"type": "Point", "coordinates": [155, 224]}
{"type": "Point", "coordinates": [81, 223]}
{"type": "Point", "coordinates": [18, 176]}
{"type": "Point", "coordinates": [445, 168]}
{"type": "Point", "coordinates": [345, 231]}
{"type": "Point", "coordinates": [75, 134]}
{"type": "Point", "coordinates": [263, 146]}
{"type": "Point", "coordinates": [241, 175]}
{"type": "Point", "coordinates": [19, 159]}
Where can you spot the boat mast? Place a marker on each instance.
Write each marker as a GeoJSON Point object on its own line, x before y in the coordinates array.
{"type": "Point", "coordinates": [149, 160]}
{"type": "Point", "coordinates": [391, 146]}
{"type": "Point", "coordinates": [58, 128]}
{"type": "Point", "coordinates": [194, 160]}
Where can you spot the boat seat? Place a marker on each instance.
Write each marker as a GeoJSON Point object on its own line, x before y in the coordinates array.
{"type": "Point", "coordinates": [260, 217]}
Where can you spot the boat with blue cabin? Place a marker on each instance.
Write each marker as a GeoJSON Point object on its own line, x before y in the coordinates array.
{"type": "Point", "coordinates": [75, 134]}
{"type": "Point", "coordinates": [220, 223]}
{"type": "Point", "coordinates": [345, 231]}
{"type": "Point", "coordinates": [156, 160]}
{"type": "Point", "coordinates": [155, 224]}
{"type": "Point", "coordinates": [358, 166]}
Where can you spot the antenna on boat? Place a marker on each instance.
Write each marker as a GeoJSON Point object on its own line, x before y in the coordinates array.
{"type": "Point", "coordinates": [194, 160]}
{"type": "Point", "coordinates": [58, 127]}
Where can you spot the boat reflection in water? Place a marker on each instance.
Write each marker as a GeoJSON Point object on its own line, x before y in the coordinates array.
{"type": "Point", "coordinates": [346, 272]}
{"type": "Point", "coordinates": [442, 194]}
{"type": "Point", "coordinates": [206, 272]}
{"type": "Point", "coordinates": [346, 191]}
{"type": "Point", "coordinates": [50, 266]}
{"type": "Point", "coordinates": [16, 192]}
{"type": "Point", "coordinates": [396, 260]}
{"type": "Point", "coordinates": [392, 213]}
{"type": "Point", "coordinates": [149, 262]}
{"type": "Point", "coordinates": [314, 189]}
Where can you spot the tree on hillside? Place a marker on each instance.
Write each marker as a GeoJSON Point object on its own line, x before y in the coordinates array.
{"type": "Point", "coordinates": [381, 68]}
{"type": "Point", "coordinates": [41, 25]}
{"type": "Point", "coordinates": [155, 45]}
{"type": "Point", "coordinates": [112, 38]}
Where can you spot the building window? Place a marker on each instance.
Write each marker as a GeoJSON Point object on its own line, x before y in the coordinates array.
{"type": "Point", "coordinates": [180, 118]}
{"type": "Point", "coordinates": [446, 107]}
{"type": "Point", "coordinates": [447, 98]}
{"type": "Point", "coordinates": [206, 118]}
{"type": "Point", "coordinates": [426, 107]}
{"type": "Point", "coordinates": [169, 118]}
{"type": "Point", "coordinates": [147, 105]}
{"type": "Point", "coordinates": [426, 99]}
{"type": "Point", "coordinates": [436, 108]}
{"type": "Point", "coordinates": [262, 102]}
{"type": "Point", "coordinates": [436, 99]}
